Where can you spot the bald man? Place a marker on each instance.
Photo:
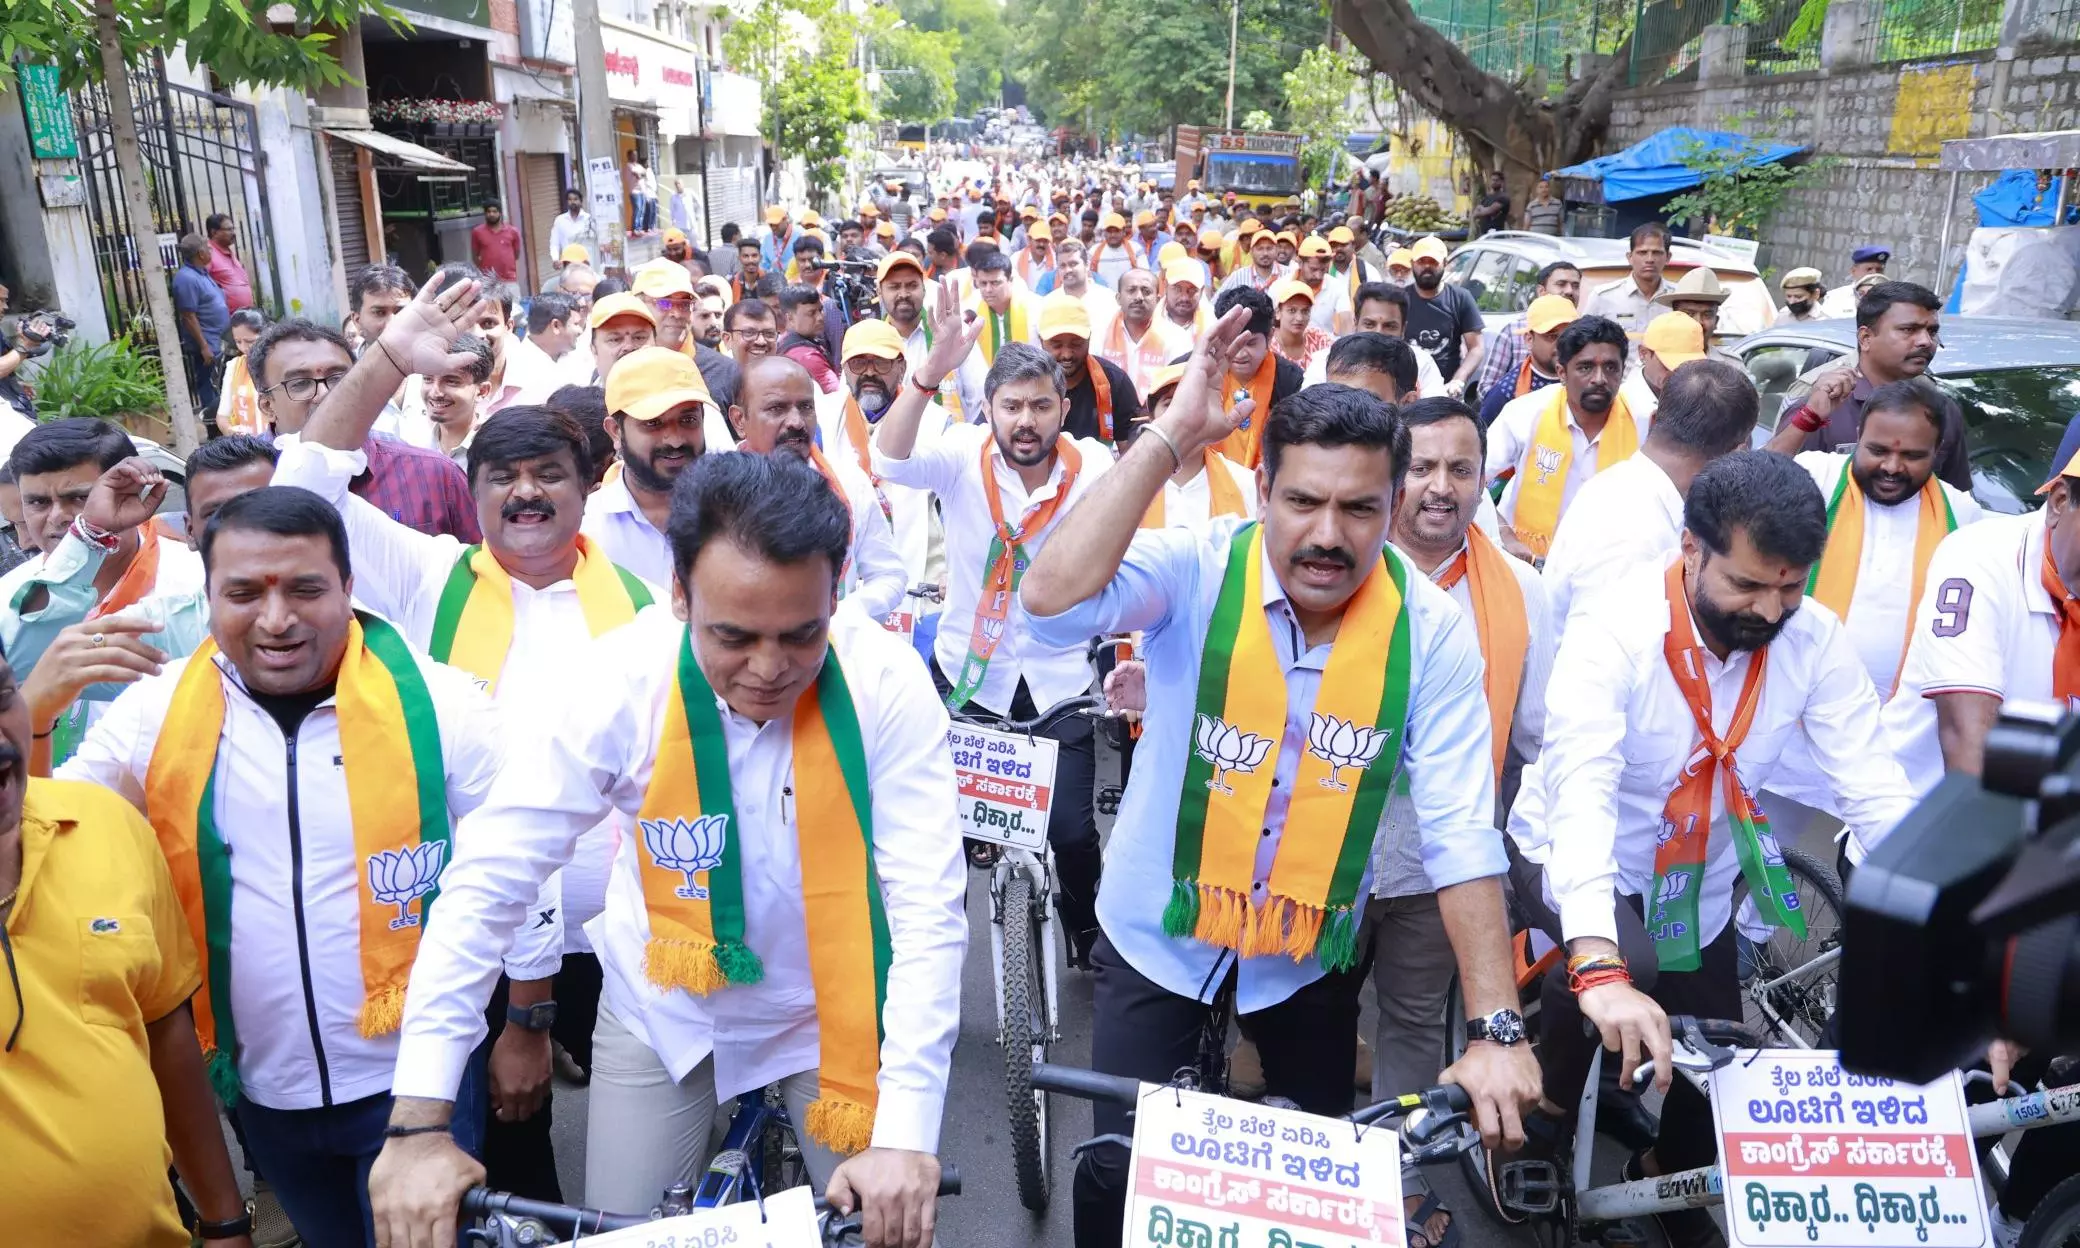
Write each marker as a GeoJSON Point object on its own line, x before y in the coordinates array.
{"type": "Point", "coordinates": [776, 411]}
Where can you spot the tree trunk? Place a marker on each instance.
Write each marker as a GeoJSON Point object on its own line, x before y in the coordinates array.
{"type": "Point", "coordinates": [187, 430]}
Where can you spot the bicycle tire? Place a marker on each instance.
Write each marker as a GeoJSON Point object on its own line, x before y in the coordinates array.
{"type": "Point", "coordinates": [1473, 1162]}
{"type": "Point", "coordinates": [2055, 1222]}
{"type": "Point", "coordinates": [1807, 1005]}
{"type": "Point", "coordinates": [1025, 1041]}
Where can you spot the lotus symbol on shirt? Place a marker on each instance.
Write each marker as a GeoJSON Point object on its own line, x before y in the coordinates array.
{"type": "Point", "coordinates": [1546, 462]}
{"type": "Point", "coordinates": [1228, 749]}
{"type": "Point", "coordinates": [399, 877]}
{"type": "Point", "coordinates": [1341, 744]}
{"type": "Point", "coordinates": [687, 846]}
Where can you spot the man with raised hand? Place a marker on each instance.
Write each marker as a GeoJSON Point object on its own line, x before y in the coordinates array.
{"type": "Point", "coordinates": [877, 369]}
{"type": "Point", "coordinates": [903, 288]}
{"type": "Point", "coordinates": [1003, 488]}
{"type": "Point", "coordinates": [790, 909]}
{"type": "Point", "coordinates": [1307, 665]}
{"type": "Point", "coordinates": [776, 409]}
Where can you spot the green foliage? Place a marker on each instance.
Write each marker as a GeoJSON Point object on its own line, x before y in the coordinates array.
{"type": "Point", "coordinates": [1318, 105]}
{"type": "Point", "coordinates": [981, 44]}
{"type": "Point", "coordinates": [1141, 66]}
{"type": "Point", "coordinates": [813, 95]}
{"type": "Point", "coordinates": [1258, 119]}
{"type": "Point", "coordinates": [917, 70]}
{"type": "Point", "coordinates": [1737, 198]}
{"type": "Point", "coordinates": [232, 37]}
{"type": "Point", "coordinates": [107, 381]}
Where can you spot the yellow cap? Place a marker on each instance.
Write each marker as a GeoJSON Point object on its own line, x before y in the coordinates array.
{"type": "Point", "coordinates": [1287, 236]}
{"type": "Point", "coordinates": [1112, 221]}
{"type": "Point", "coordinates": [1342, 234]}
{"type": "Point", "coordinates": [1290, 288]}
{"type": "Point", "coordinates": [1183, 273]}
{"type": "Point", "coordinates": [895, 260]}
{"type": "Point", "coordinates": [874, 337]}
{"type": "Point", "coordinates": [648, 382]}
{"type": "Point", "coordinates": [1401, 257]}
{"type": "Point", "coordinates": [659, 278]}
{"type": "Point", "coordinates": [1313, 245]}
{"type": "Point", "coordinates": [626, 303]}
{"type": "Point", "coordinates": [1430, 247]}
{"type": "Point", "coordinates": [1028, 211]}
{"type": "Point", "coordinates": [1549, 312]}
{"type": "Point", "coordinates": [1169, 251]}
{"type": "Point", "coordinates": [775, 215]}
{"type": "Point", "coordinates": [1248, 225]}
{"type": "Point", "coordinates": [1192, 185]}
{"type": "Point", "coordinates": [1162, 379]}
{"type": "Point", "coordinates": [887, 229]}
{"type": "Point", "coordinates": [574, 253]}
{"type": "Point", "coordinates": [1039, 230]}
{"type": "Point", "coordinates": [1674, 337]}
{"type": "Point", "coordinates": [674, 236]}
{"type": "Point", "coordinates": [810, 219]}
{"type": "Point", "coordinates": [1063, 313]}
{"type": "Point", "coordinates": [1209, 238]}
{"type": "Point", "coordinates": [937, 214]}
{"type": "Point", "coordinates": [2072, 469]}
{"type": "Point", "coordinates": [867, 209]}
{"type": "Point", "coordinates": [1144, 217]}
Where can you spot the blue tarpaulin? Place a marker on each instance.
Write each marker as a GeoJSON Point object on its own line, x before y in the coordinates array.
{"type": "Point", "coordinates": [2013, 199]}
{"type": "Point", "coordinates": [1654, 166]}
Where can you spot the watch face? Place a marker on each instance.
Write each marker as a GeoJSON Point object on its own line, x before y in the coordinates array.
{"type": "Point", "coordinates": [1505, 1027]}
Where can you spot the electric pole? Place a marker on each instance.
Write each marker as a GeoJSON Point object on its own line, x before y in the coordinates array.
{"type": "Point", "coordinates": [595, 119]}
{"type": "Point", "coordinates": [1234, 19]}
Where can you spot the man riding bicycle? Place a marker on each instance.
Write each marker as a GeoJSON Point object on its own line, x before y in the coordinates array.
{"type": "Point", "coordinates": [1304, 634]}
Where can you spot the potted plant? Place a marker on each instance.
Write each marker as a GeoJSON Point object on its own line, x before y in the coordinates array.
{"type": "Point", "coordinates": [114, 381]}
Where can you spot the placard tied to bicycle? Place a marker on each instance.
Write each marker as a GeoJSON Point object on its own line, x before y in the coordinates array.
{"type": "Point", "coordinates": [1813, 1155]}
{"type": "Point", "coordinates": [1209, 1172]}
{"type": "Point", "coordinates": [785, 1220]}
{"type": "Point", "coordinates": [1007, 785]}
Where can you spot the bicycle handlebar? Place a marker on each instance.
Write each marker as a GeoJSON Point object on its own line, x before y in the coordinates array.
{"type": "Point", "coordinates": [1092, 1085]}
{"type": "Point", "coordinates": [482, 1202]}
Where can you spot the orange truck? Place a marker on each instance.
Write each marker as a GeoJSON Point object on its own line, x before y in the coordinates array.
{"type": "Point", "coordinates": [1262, 167]}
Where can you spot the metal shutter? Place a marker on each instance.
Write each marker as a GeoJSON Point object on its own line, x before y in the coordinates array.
{"type": "Point", "coordinates": [542, 177]}
{"type": "Point", "coordinates": [732, 196]}
{"type": "Point", "coordinates": [346, 195]}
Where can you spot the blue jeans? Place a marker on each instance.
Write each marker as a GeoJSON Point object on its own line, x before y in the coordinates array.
{"type": "Point", "coordinates": [318, 1159]}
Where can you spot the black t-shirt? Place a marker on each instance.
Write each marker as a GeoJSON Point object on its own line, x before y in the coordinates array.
{"type": "Point", "coordinates": [1497, 221]}
{"type": "Point", "coordinates": [290, 709]}
{"type": "Point", "coordinates": [1437, 325]}
{"type": "Point", "coordinates": [1081, 421]}
{"type": "Point", "coordinates": [1286, 380]}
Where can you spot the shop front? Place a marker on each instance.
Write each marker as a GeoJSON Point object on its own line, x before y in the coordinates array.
{"type": "Point", "coordinates": [434, 90]}
{"type": "Point", "coordinates": [654, 84]}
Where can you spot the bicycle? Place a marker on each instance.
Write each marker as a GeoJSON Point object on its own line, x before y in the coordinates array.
{"type": "Point", "coordinates": [1024, 950]}
{"type": "Point", "coordinates": [503, 1220]}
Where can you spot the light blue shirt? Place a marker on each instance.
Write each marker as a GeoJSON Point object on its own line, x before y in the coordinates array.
{"type": "Point", "coordinates": [1166, 587]}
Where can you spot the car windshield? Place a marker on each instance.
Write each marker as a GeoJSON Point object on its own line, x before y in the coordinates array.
{"type": "Point", "coordinates": [1253, 174]}
{"type": "Point", "coordinates": [2014, 419]}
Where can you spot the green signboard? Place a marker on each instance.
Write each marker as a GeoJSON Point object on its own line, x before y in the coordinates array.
{"type": "Point", "coordinates": [474, 12]}
{"type": "Point", "coordinates": [51, 136]}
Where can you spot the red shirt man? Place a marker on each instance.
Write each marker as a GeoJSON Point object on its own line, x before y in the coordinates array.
{"type": "Point", "coordinates": [224, 268]}
{"type": "Point", "coordinates": [495, 245]}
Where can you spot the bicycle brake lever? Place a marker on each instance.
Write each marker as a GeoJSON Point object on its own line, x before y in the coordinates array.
{"type": "Point", "coordinates": [1716, 1057]}
{"type": "Point", "coordinates": [1123, 1141]}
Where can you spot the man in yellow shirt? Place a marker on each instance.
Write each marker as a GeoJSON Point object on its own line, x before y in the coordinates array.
{"type": "Point", "coordinates": [101, 1080]}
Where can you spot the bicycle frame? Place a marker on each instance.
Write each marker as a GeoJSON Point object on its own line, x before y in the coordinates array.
{"type": "Point", "coordinates": [1039, 869]}
{"type": "Point", "coordinates": [734, 1170]}
{"type": "Point", "coordinates": [1760, 993]}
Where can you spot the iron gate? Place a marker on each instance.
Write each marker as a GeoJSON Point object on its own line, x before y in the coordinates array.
{"type": "Point", "coordinates": [201, 156]}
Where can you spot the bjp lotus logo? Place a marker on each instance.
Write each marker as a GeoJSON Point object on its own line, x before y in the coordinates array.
{"type": "Point", "coordinates": [1228, 749]}
{"type": "Point", "coordinates": [687, 846]}
{"type": "Point", "coordinates": [399, 877]}
{"type": "Point", "coordinates": [1341, 744]}
{"type": "Point", "coordinates": [1547, 462]}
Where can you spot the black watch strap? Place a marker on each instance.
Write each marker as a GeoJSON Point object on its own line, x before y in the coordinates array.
{"type": "Point", "coordinates": [229, 1229]}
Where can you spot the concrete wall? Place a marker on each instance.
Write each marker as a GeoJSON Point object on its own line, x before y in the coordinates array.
{"type": "Point", "coordinates": [1884, 124]}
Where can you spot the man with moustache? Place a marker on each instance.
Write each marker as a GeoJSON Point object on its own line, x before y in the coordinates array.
{"type": "Point", "coordinates": [711, 300]}
{"type": "Point", "coordinates": [1549, 443]}
{"type": "Point", "coordinates": [1003, 488]}
{"type": "Point", "coordinates": [1504, 599]}
{"type": "Point", "coordinates": [750, 329]}
{"type": "Point", "coordinates": [1185, 313]}
{"type": "Point", "coordinates": [1637, 843]}
{"type": "Point", "coordinates": [876, 370]}
{"type": "Point", "coordinates": [1547, 316]}
{"type": "Point", "coordinates": [1136, 340]}
{"type": "Point", "coordinates": [670, 293]}
{"type": "Point", "coordinates": [1443, 321]}
{"type": "Point", "coordinates": [776, 412]}
{"type": "Point", "coordinates": [1254, 372]}
{"type": "Point", "coordinates": [1503, 359]}
{"type": "Point", "coordinates": [1898, 331]}
{"type": "Point", "coordinates": [1382, 308]}
{"type": "Point", "coordinates": [902, 287]}
{"type": "Point", "coordinates": [1286, 621]}
{"type": "Point", "coordinates": [1629, 300]}
{"type": "Point", "coordinates": [1263, 268]}
{"type": "Point", "coordinates": [1072, 276]}
{"type": "Point", "coordinates": [657, 414]}
{"type": "Point", "coordinates": [1103, 400]}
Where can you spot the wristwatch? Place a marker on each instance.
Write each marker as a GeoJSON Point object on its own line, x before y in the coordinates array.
{"type": "Point", "coordinates": [543, 1016]}
{"type": "Point", "coordinates": [230, 1228]}
{"type": "Point", "coordinates": [1504, 1027]}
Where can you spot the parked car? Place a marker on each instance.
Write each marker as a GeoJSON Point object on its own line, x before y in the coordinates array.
{"type": "Point", "coordinates": [2017, 379]}
{"type": "Point", "coordinates": [1501, 269]}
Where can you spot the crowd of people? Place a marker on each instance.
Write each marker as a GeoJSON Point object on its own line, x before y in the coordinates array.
{"type": "Point", "coordinates": [530, 681]}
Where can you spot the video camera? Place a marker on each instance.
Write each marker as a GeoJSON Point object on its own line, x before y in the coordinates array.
{"type": "Point", "coordinates": [1964, 923]}
{"type": "Point", "coordinates": [51, 330]}
{"type": "Point", "coordinates": [850, 284]}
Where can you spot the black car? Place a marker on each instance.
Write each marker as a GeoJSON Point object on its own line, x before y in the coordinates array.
{"type": "Point", "coordinates": [2018, 381]}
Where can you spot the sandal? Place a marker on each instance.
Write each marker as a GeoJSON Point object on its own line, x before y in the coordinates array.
{"type": "Point", "coordinates": [1418, 1221]}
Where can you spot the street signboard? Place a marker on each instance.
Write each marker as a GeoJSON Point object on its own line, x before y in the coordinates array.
{"type": "Point", "coordinates": [51, 136]}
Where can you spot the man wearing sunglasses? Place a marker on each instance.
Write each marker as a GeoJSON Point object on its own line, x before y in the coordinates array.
{"type": "Point", "coordinates": [294, 365]}
{"type": "Point", "coordinates": [668, 288]}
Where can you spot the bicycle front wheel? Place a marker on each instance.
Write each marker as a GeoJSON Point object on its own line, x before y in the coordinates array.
{"type": "Point", "coordinates": [2055, 1222]}
{"type": "Point", "coordinates": [1788, 984]}
{"type": "Point", "coordinates": [1025, 1039]}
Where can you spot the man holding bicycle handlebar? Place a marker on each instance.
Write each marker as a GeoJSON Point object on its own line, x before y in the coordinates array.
{"type": "Point", "coordinates": [1660, 728]}
{"type": "Point", "coordinates": [1304, 634]}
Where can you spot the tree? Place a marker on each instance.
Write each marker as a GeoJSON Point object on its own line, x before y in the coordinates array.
{"type": "Point", "coordinates": [237, 39]}
{"type": "Point", "coordinates": [983, 43]}
{"type": "Point", "coordinates": [1738, 194]}
{"type": "Point", "coordinates": [815, 94]}
{"type": "Point", "coordinates": [917, 70]}
{"type": "Point", "coordinates": [1515, 125]}
{"type": "Point", "coordinates": [1318, 106]}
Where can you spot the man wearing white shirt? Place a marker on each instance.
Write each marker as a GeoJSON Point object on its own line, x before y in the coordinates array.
{"type": "Point", "coordinates": [1667, 345]}
{"type": "Point", "coordinates": [759, 740]}
{"type": "Point", "coordinates": [1996, 623]}
{"type": "Point", "coordinates": [876, 369]}
{"type": "Point", "coordinates": [1549, 443]}
{"type": "Point", "coordinates": [1284, 633]}
{"type": "Point", "coordinates": [1185, 310]}
{"type": "Point", "coordinates": [657, 416]}
{"type": "Point", "coordinates": [776, 410]}
{"type": "Point", "coordinates": [903, 288]}
{"type": "Point", "coordinates": [537, 364]}
{"type": "Point", "coordinates": [1669, 705]}
{"type": "Point", "coordinates": [1632, 512]}
{"type": "Point", "coordinates": [1136, 339]}
{"type": "Point", "coordinates": [1887, 515]}
{"type": "Point", "coordinates": [1003, 488]}
{"type": "Point", "coordinates": [1113, 253]}
{"type": "Point", "coordinates": [1434, 528]}
{"type": "Point", "coordinates": [1331, 313]}
{"type": "Point", "coordinates": [291, 724]}
{"type": "Point", "coordinates": [1377, 363]}
{"type": "Point", "coordinates": [574, 227]}
{"type": "Point", "coordinates": [1383, 309]}
{"type": "Point", "coordinates": [1206, 486]}
{"type": "Point", "coordinates": [1005, 313]}
{"type": "Point", "coordinates": [1072, 275]}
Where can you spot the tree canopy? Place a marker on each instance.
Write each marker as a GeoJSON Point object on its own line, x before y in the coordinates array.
{"type": "Point", "coordinates": [232, 37]}
{"type": "Point", "coordinates": [980, 45]}
{"type": "Point", "coordinates": [814, 93]}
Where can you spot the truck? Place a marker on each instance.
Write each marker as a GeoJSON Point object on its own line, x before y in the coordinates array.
{"type": "Point", "coordinates": [1262, 167]}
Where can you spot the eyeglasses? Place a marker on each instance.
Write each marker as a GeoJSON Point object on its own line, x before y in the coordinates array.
{"type": "Point", "coordinates": [673, 305]}
{"type": "Point", "coordinates": [300, 388]}
{"type": "Point", "coordinates": [757, 335]}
